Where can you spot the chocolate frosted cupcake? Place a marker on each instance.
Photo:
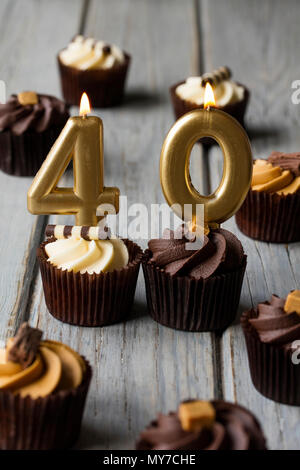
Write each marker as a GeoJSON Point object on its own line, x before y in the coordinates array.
{"type": "Point", "coordinates": [43, 388]}
{"type": "Point", "coordinates": [94, 67]}
{"type": "Point", "coordinates": [231, 97]}
{"type": "Point", "coordinates": [201, 425]}
{"type": "Point", "coordinates": [271, 210]}
{"type": "Point", "coordinates": [272, 333]}
{"type": "Point", "coordinates": [88, 281]}
{"type": "Point", "coordinates": [194, 289]}
{"type": "Point", "coordinates": [29, 125]}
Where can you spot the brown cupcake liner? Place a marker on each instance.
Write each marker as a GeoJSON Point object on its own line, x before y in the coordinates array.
{"type": "Point", "coordinates": [270, 217]}
{"type": "Point", "coordinates": [90, 299]}
{"type": "Point", "coordinates": [188, 304]}
{"type": "Point", "coordinates": [105, 88]}
{"type": "Point", "coordinates": [236, 110]}
{"type": "Point", "coordinates": [23, 155]}
{"type": "Point", "coordinates": [272, 371]}
{"type": "Point", "coordinates": [45, 423]}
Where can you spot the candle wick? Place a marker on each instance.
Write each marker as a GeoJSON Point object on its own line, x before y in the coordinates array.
{"type": "Point", "coordinates": [208, 108]}
{"type": "Point", "coordinates": [84, 116]}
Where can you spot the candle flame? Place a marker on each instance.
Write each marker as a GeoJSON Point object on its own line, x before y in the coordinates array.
{"type": "Point", "coordinates": [209, 97]}
{"type": "Point", "coordinates": [84, 105]}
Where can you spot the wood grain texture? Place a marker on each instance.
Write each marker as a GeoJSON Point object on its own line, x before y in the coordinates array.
{"type": "Point", "coordinates": [252, 39]}
{"type": "Point", "coordinates": [140, 368]}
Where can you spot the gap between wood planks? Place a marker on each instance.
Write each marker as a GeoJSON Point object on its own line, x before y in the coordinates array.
{"type": "Point", "coordinates": [207, 188]}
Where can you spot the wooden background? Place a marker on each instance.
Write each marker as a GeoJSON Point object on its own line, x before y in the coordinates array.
{"type": "Point", "coordinates": [141, 368]}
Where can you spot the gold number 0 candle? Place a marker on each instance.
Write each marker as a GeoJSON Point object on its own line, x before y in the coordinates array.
{"type": "Point", "coordinates": [237, 171]}
{"type": "Point", "coordinates": [82, 140]}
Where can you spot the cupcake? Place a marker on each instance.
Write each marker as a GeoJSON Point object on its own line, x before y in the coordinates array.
{"type": "Point", "coordinates": [231, 97]}
{"type": "Point", "coordinates": [204, 425]}
{"type": "Point", "coordinates": [271, 210]}
{"type": "Point", "coordinates": [194, 289]}
{"type": "Point", "coordinates": [94, 67]}
{"type": "Point", "coordinates": [272, 333]}
{"type": "Point", "coordinates": [29, 125]}
{"type": "Point", "coordinates": [88, 280]}
{"type": "Point", "coordinates": [43, 388]}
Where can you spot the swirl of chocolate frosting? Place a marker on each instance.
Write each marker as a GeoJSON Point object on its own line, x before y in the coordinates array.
{"type": "Point", "coordinates": [235, 428]}
{"type": "Point", "coordinates": [47, 112]}
{"type": "Point", "coordinates": [221, 252]}
{"type": "Point", "coordinates": [274, 325]}
{"type": "Point", "coordinates": [286, 161]}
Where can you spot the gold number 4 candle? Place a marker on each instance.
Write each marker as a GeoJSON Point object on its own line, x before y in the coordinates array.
{"type": "Point", "coordinates": [80, 140]}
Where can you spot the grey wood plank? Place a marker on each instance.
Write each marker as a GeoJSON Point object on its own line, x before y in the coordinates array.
{"type": "Point", "coordinates": [259, 40]}
{"type": "Point", "coordinates": [140, 368]}
{"type": "Point", "coordinates": [27, 52]}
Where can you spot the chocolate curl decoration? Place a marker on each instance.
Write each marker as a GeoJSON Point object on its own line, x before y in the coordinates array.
{"type": "Point", "coordinates": [89, 233]}
{"type": "Point", "coordinates": [217, 76]}
{"type": "Point", "coordinates": [25, 345]}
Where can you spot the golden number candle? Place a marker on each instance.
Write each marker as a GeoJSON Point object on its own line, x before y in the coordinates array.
{"type": "Point", "coordinates": [80, 140]}
{"type": "Point", "coordinates": [237, 172]}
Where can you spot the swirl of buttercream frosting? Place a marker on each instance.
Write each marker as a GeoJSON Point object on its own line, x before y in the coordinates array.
{"type": "Point", "coordinates": [221, 252]}
{"type": "Point", "coordinates": [95, 256]}
{"type": "Point", "coordinates": [88, 54]}
{"type": "Point", "coordinates": [47, 112]}
{"type": "Point", "coordinates": [226, 91]}
{"type": "Point", "coordinates": [55, 367]}
{"type": "Point", "coordinates": [235, 428]}
{"type": "Point", "coordinates": [274, 325]}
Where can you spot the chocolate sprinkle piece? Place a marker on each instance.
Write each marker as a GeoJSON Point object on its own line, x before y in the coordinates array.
{"type": "Point", "coordinates": [49, 231]}
{"type": "Point", "coordinates": [25, 345]}
{"type": "Point", "coordinates": [68, 231]}
{"type": "Point", "coordinates": [106, 49]}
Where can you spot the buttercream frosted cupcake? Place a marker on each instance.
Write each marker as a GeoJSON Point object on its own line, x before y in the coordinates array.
{"type": "Point", "coordinates": [88, 281]}
{"type": "Point", "coordinates": [43, 388]}
{"type": "Point", "coordinates": [204, 425]}
{"type": "Point", "coordinates": [94, 67]}
{"type": "Point", "coordinates": [231, 97]}
{"type": "Point", "coordinates": [29, 125]}
{"type": "Point", "coordinates": [272, 333]}
{"type": "Point", "coordinates": [271, 210]}
{"type": "Point", "coordinates": [194, 290]}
